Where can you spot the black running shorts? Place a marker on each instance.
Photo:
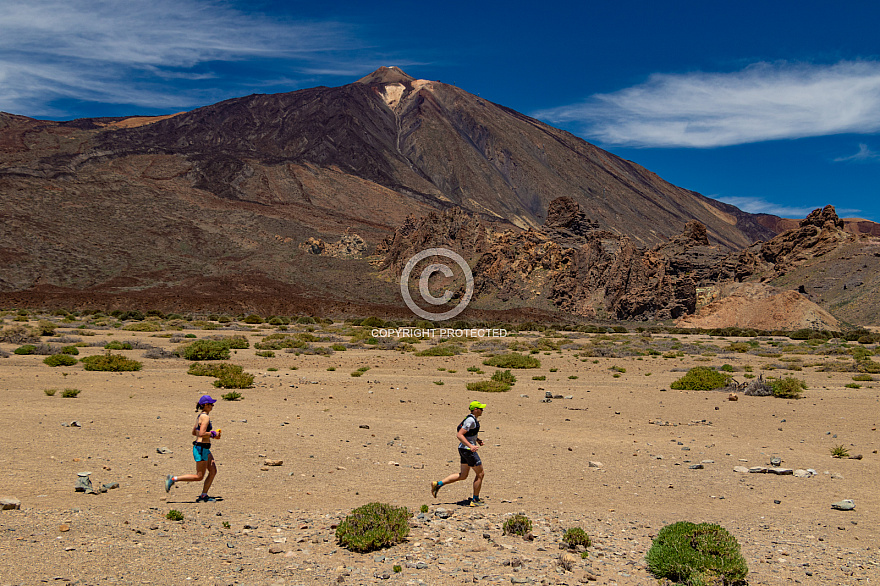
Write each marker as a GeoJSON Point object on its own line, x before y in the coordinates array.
{"type": "Point", "coordinates": [470, 458]}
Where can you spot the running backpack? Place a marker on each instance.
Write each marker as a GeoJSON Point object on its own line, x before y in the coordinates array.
{"type": "Point", "coordinates": [457, 429]}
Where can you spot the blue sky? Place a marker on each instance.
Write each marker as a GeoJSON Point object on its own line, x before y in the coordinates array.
{"type": "Point", "coordinates": [771, 106]}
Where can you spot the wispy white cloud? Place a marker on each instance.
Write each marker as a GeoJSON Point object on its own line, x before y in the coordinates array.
{"type": "Point", "coordinates": [765, 101]}
{"type": "Point", "coordinates": [757, 205]}
{"type": "Point", "coordinates": [131, 52]}
{"type": "Point", "coordinates": [864, 155]}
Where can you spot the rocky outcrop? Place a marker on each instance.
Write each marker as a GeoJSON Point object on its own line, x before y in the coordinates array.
{"type": "Point", "coordinates": [350, 245]}
{"type": "Point", "coordinates": [571, 263]}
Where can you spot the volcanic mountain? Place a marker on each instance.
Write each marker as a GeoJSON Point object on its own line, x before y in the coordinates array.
{"type": "Point", "coordinates": [226, 193]}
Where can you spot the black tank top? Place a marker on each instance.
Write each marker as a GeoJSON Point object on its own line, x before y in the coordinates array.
{"type": "Point", "coordinates": [209, 421]}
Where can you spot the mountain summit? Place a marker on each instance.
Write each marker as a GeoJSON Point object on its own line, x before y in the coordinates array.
{"type": "Point", "coordinates": [386, 75]}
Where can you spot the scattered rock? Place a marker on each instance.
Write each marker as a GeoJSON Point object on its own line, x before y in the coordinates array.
{"type": "Point", "coordinates": [83, 483]}
{"type": "Point", "coordinates": [9, 504]}
{"type": "Point", "coordinates": [594, 464]}
{"type": "Point", "coordinates": [273, 462]}
{"type": "Point", "coordinates": [844, 505]}
{"type": "Point", "coordinates": [164, 451]}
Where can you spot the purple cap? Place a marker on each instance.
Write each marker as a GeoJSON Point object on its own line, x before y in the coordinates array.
{"type": "Point", "coordinates": [207, 400]}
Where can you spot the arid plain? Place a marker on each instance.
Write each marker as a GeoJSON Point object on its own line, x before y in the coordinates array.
{"type": "Point", "coordinates": [384, 435]}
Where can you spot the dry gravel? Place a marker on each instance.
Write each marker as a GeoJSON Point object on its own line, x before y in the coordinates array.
{"type": "Point", "coordinates": [536, 458]}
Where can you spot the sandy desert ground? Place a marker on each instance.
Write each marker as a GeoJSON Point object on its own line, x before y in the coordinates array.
{"type": "Point", "coordinates": [347, 441]}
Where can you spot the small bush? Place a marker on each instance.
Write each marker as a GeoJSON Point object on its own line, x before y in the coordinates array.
{"type": "Point", "coordinates": [25, 350]}
{"type": "Point", "coordinates": [265, 354]}
{"type": "Point", "coordinates": [863, 377]}
{"type": "Point", "coordinates": [701, 378]}
{"type": "Point", "coordinates": [253, 319]}
{"type": "Point", "coordinates": [513, 360]}
{"type": "Point", "coordinates": [50, 392]}
{"type": "Point", "coordinates": [373, 526]}
{"type": "Point", "coordinates": [488, 386]}
{"type": "Point", "coordinates": [116, 345]}
{"type": "Point", "coordinates": [339, 347]}
{"type": "Point", "coordinates": [574, 376]}
{"type": "Point", "coordinates": [18, 334]}
{"type": "Point", "coordinates": [504, 377]}
{"type": "Point", "coordinates": [575, 538]}
{"type": "Point", "coordinates": [853, 385]}
{"type": "Point", "coordinates": [231, 396]}
{"type": "Point", "coordinates": [111, 363]}
{"type": "Point", "coordinates": [788, 388]}
{"type": "Point", "coordinates": [423, 509]}
{"type": "Point", "coordinates": [215, 370]}
{"type": "Point", "coordinates": [839, 452]}
{"type": "Point", "coordinates": [60, 360]}
{"type": "Point", "coordinates": [696, 555]}
{"type": "Point", "coordinates": [70, 393]}
{"type": "Point", "coordinates": [517, 525]}
{"type": "Point", "coordinates": [70, 350]}
{"type": "Point", "coordinates": [441, 350]}
{"type": "Point", "coordinates": [174, 515]}
{"type": "Point", "coordinates": [726, 368]}
{"type": "Point", "coordinates": [230, 379]}
{"type": "Point", "coordinates": [206, 350]}
{"type": "Point", "coordinates": [144, 326]}
{"type": "Point", "coordinates": [542, 377]}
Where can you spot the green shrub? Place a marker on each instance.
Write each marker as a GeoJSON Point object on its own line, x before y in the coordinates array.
{"type": "Point", "coordinates": [174, 515]}
{"type": "Point", "coordinates": [868, 366]}
{"type": "Point", "coordinates": [231, 396]}
{"type": "Point", "coordinates": [265, 354]}
{"type": "Point", "coordinates": [253, 319]}
{"type": "Point", "coordinates": [574, 376]}
{"type": "Point", "coordinates": [50, 392]}
{"type": "Point", "coordinates": [373, 526]}
{"type": "Point", "coordinates": [45, 328]}
{"type": "Point", "coordinates": [144, 326]}
{"type": "Point", "coordinates": [575, 538]}
{"type": "Point", "coordinates": [726, 368]}
{"type": "Point", "coordinates": [215, 370]}
{"type": "Point", "coordinates": [696, 555]}
{"type": "Point", "coordinates": [423, 508]}
{"type": "Point", "coordinates": [476, 369]}
{"type": "Point", "coordinates": [70, 350]}
{"type": "Point", "coordinates": [788, 388]}
{"type": "Point", "coordinates": [60, 360]}
{"type": "Point", "coordinates": [339, 347]}
{"type": "Point", "coordinates": [206, 350]}
{"type": "Point", "coordinates": [111, 363]}
{"type": "Point", "coordinates": [542, 377]}
{"type": "Point", "coordinates": [853, 385]}
{"type": "Point", "coordinates": [739, 347]}
{"type": "Point", "coordinates": [231, 379]}
{"type": "Point", "coordinates": [439, 383]}
{"type": "Point", "coordinates": [116, 345]}
{"type": "Point", "coordinates": [373, 322]}
{"type": "Point", "coordinates": [701, 378]}
{"type": "Point", "coordinates": [488, 386]}
{"type": "Point", "coordinates": [517, 525]}
{"type": "Point", "coordinates": [513, 360]}
{"type": "Point", "coordinates": [839, 452]}
{"type": "Point", "coordinates": [25, 350]}
{"type": "Point", "coordinates": [504, 376]}
{"type": "Point", "coordinates": [237, 342]}
{"type": "Point", "coordinates": [863, 377]}
{"type": "Point", "coordinates": [441, 350]}
{"type": "Point", "coordinates": [70, 393]}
